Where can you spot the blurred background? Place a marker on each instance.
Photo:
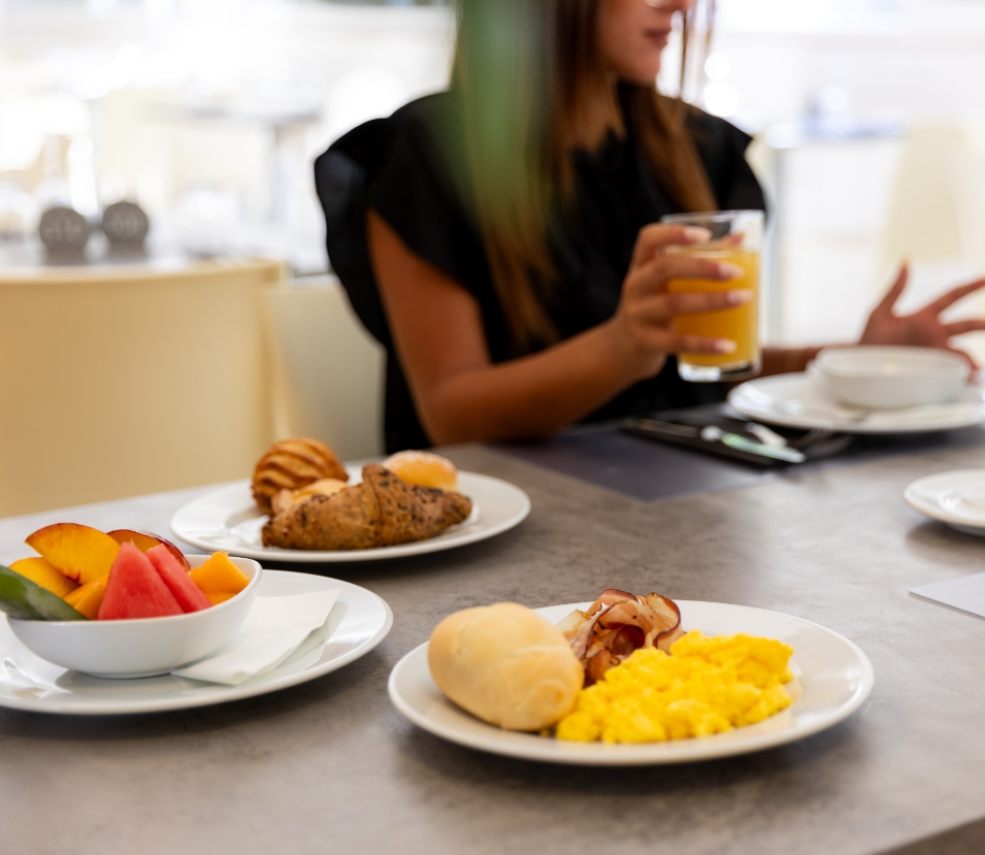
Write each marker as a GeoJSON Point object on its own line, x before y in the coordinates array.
{"type": "Point", "coordinates": [208, 113]}
{"type": "Point", "coordinates": [868, 116]}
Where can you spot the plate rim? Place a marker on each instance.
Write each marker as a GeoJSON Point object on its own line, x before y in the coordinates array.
{"type": "Point", "coordinates": [379, 553]}
{"type": "Point", "coordinates": [912, 496]}
{"type": "Point", "coordinates": [227, 694]}
{"type": "Point", "coordinates": [637, 754]}
{"type": "Point", "coordinates": [735, 395]}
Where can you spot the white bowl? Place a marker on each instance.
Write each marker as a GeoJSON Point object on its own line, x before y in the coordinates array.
{"type": "Point", "coordinates": [140, 647]}
{"type": "Point", "coordinates": [888, 378]}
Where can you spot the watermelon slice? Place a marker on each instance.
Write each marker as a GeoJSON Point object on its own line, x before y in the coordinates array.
{"type": "Point", "coordinates": [175, 578]}
{"type": "Point", "coordinates": [134, 589]}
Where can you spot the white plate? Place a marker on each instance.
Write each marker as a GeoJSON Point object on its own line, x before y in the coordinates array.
{"type": "Point", "coordinates": [835, 675]}
{"type": "Point", "coordinates": [360, 621]}
{"type": "Point", "coordinates": [956, 498]}
{"type": "Point", "coordinates": [794, 400]}
{"type": "Point", "coordinates": [227, 519]}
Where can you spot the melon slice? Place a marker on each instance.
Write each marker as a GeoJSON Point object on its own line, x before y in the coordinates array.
{"type": "Point", "coordinates": [175, 577]}
{"type": "Point", "coordinates": [218, 575]}
{"type": "Point", "coordinates": [135, 590]}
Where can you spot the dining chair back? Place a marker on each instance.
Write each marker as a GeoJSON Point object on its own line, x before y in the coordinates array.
{"type": "Point", "coordinates": [329, 370]}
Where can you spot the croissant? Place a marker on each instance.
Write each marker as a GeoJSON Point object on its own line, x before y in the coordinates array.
{"type": "Point", "coordinates": [293, 463]}
{"type": "Point", "coordinates": [383, 510]}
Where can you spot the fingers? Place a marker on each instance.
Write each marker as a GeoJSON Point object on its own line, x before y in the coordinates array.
{"type": "Point", "coordinates": [962, 327]}
{"type": "Point", "coordinates": [661, 308]}
{"type": "Point", "coordinates": [951, 297]}
{"type": "Point", "coordinates": [652, 239]}
{"type": "Point", "coordinates": [895, 290]}
{"type": "Point", "coordinates": [652, 276]}
{"type": "Point", "coordinates": [661, 339]}
{"type": "Point", "coordinates": [965, 356]}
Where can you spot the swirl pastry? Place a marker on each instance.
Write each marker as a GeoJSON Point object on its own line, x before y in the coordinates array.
{"type": "Point", "coordinates": [291, 464]}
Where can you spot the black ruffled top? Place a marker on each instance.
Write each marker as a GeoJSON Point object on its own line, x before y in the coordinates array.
{"type": "Point", "coordinates": [404, 167]}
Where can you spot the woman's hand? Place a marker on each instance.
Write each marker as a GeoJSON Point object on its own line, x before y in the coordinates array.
{"type": "Point", "coordinates": [642, 328]}
{"type": "Point", "coordinates": [923, 328]}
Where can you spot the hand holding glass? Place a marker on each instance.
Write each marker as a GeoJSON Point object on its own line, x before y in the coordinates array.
{"type": "Point", "coordinates": [736, 239]}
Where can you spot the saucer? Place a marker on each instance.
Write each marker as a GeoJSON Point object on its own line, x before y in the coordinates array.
{"type": "Point", "coordinates": [954, 498]}
{"type": "Point", "coordinates": [795, 400]}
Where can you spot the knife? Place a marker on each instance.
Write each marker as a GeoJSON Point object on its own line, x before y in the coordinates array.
{"type": "Point", "coordinates": [712, 433]}
{"type": "Point", "coordinates": [713, 439]}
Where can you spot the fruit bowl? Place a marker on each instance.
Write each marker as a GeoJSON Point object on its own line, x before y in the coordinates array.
{"type": "Point", "coordinates": [885, 378]}
{"type": "Point", "coordinates": [140, 647]}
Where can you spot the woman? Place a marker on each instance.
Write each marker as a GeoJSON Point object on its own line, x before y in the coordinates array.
{"type": "Point", "coordinates": [511, 228]}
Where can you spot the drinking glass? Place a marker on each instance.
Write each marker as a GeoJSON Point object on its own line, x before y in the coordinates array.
{"type": "Point", "coordinates": [736, 238]}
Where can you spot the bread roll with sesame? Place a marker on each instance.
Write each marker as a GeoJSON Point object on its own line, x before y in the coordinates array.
{"type": "Point", "coordinates": [506, 665]}
{"type": "Point", "coordinates": [423, 469]}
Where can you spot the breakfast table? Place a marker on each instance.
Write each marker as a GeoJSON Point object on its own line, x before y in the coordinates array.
{"type": "Point", "coordinates": [330, 765]}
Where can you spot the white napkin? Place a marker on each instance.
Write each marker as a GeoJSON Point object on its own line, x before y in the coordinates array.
{"type": "Point", "coordinates": [275, 628]}
{"type": "Point", "coordinates": [966, 593]}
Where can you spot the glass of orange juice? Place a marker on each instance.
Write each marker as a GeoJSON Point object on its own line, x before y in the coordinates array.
{"type": "Point", "coordinates": [736, 237]}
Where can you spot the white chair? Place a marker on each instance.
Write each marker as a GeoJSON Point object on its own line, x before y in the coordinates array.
{"type": "Point", "coordinates": [329, 370]}
{"type": "Point", "coordinates": [122, 381]}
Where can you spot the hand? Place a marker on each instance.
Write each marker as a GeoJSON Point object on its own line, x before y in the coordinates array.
{"type": "Point", "coordinates": [643, 323]}
{"type": "Point", "coordinates": [925, 327]}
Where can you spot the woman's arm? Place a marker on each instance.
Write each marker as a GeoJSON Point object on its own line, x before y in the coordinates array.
{"type": "Point", "coordinates": [460, 395]}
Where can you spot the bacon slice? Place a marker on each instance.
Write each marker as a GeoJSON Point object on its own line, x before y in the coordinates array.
{"type": "Point", "coordinates": [618, 623]}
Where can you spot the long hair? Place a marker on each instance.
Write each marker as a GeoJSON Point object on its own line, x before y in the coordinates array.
{"type": "Point", "coordinates": [525, 72]}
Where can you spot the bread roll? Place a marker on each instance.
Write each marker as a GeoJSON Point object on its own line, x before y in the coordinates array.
{"type": "Point", "coordinates": [423, 469]}
{"type": "Point", "coordinates": [506, 665]}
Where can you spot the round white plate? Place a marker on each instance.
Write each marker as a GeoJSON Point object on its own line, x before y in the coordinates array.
{"type": "Point", "coordinates": [956, 498]}
{"type": "Point", "coordinates": [793, 400]}
{"type": "Point", "coordinates": [360, 620]}
{"type": "Point", "coordinates": [227, 519]}
{"type": "Point", "coordinates": [835, 675]}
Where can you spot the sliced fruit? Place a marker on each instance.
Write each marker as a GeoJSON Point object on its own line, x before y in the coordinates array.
{"type": "Point", "coordinates": [45, 573]}
{"type": "Point", "coordinates": [134, 590]}
{"type": "Point", "coordinates": [22, 598]}
{"type": "Point", "coordinates": [88, 598]}
{"type": "Point", "coordinates": [78, 551]}
{"type": "Point", "coordinates": [216, 597]}
{"type": "Point", "coordinates": [175, 577]}
{"type": "Point", "coordinates": [217, 574]}
{"type": "Point", "coordinates": [145, 541]}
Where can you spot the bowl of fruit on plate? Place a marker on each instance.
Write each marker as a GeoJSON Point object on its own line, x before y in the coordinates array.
{"type": "Point", "coordinates": [123, 603]}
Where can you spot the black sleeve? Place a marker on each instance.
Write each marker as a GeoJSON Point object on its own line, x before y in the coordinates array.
{"type": "Point", "coordinates": [419, 197]}
{"type": "Point", "coordinates": [396, 167]}
{"type": "Point", "coordinates": [722, 147]}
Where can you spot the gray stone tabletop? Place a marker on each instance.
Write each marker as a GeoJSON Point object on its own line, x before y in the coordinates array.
{"type": "Point", "coordinates": [330, 766]}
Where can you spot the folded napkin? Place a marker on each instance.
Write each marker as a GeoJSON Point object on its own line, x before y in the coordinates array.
{"type": "Point", "coordinates": [275, 628]}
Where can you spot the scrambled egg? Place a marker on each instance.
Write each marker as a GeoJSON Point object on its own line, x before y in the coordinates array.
{"type": "Point", "coordinates": [706, 685]}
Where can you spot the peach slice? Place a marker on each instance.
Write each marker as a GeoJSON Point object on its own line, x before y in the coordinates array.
{"type": "Point", "coordinates": [144, 540]}
{"type": "Point", "coordinates": [80, 552]}
{"type": "Point", "coordinates": [89, 597]}
{"type": "Point", "coordinates": [45, 574]}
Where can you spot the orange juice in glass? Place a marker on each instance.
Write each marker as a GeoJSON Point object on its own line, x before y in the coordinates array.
{"type": "Point", "coordinates": [736, 238]}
